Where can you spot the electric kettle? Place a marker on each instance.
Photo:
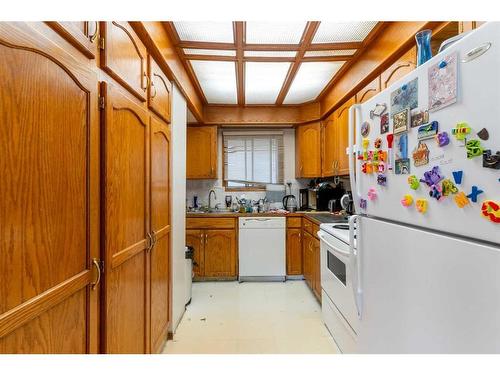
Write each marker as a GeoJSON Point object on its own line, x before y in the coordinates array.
{"type": "Point", "coordinates": [290, 203]}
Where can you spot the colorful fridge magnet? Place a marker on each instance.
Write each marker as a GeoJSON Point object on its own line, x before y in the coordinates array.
{"type": "Point", "coordinates": [390, 140]}
{"type": "Point", "coordinates": [400, 121]}
{"type": "Point", "coordinates": [413, 182]}
{"type": "Point", "coordinates": [427, 131]}
{"type": "Point", "coordinates": [457, 176]}
{"type": "Point", "coordinates": [407, 200]}
{"type": "Point", "coordinates": [362, 203]}
{"type": "Point", "coordinates": [378, 110]}
{"type": "Point", "coordinates": [402, 166]}
{"type": "Point", "coordinates": [473, 148]}
{"type": "Point", "coordinates": [436, 192]}
{"type": "Point", "coordinates": [442, 78]}
{"type": "Point", "coordinates": [419, 118]}
{"type": "Point", "coordinates": [405, 97]}
{"type": "Point", "coordinates": [491, 161]}
{"type": "Point", "coordinates": [365, 129]}
{"type": "Point", "coordinates": [381, 167]}
{"type": "Point", "coordinates": [461, 131]}
{"type": "Point", "coordinates": [442, 139]}
{"type": "Point", "coordinates": [491, 211]}
{"type": "Point", "coordinates": [474, 193]}
{"type": "Point", "coordinates": [381, 180]}
{"type": "Point", "coordinates": [420, 155]}
{"type": "Point", "coordinates": [378, 143]}
{"type": "Point", "coordinates": [432, 177]}
{"type": "Point", "coordinates": [461, 199]}
{"type": "Point", "coordinates": [384, 123]}
{"type": "Point", "coordinates": [448, 187]}
{"type": "Point", "coordinates": [421, 205]}
{"type": "Point", "coordinates": [401, 148]}
{"type": "Point", "coordinates": [483, 134]}
{"type": "Point", "coordinates": [372, 194]}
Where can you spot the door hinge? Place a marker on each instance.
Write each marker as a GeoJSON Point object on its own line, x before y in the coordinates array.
{"type": "Point", "coordinates": [101, 43]}
{"type": "Point", "coordinates": [102, 103]}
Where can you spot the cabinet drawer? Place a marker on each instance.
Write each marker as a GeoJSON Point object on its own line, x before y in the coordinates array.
{"type": "Point", "coordinates": [293, 222]}
{"type": "Point", "coordinates": [310, 227]}
{"type": "Point", "coordinates": [208, 223]}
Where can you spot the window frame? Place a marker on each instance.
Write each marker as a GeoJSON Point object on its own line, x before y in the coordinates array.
{"type": "Point", "coordinates": [254, 187]}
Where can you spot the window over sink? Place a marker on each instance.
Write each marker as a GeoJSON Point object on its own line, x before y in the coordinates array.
{"type": "Point", "coordinates": [252, 160]}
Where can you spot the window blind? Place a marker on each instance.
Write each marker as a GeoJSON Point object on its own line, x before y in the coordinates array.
{"type": "Point", "coordinates": [253, 159]}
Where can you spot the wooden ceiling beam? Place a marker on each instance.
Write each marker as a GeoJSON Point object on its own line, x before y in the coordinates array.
{"type": "Point", "coordinates": [207, 45]}
{"type": "Point", "coordinates": [309, 32]}
{"type": "Point", "coordinates": [239, 38]}
{"type": "Point", "coordinates": [172, 32]}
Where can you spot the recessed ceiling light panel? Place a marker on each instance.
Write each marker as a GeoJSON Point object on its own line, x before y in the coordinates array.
{"type": "Point", "coordinates": [217, 80]}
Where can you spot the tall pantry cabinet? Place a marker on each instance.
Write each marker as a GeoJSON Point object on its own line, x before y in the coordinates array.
{"type": "Point", "coordinates": [85, 208]}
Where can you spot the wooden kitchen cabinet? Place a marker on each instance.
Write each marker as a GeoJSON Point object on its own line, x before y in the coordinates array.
{"type": "Point", "coordinates": [215, 247]}
{"type": "Point", "coordinates": [123, 56]}
{"type": "Point", "coordinates": [294, 251]}
{"type": "Point", "coordinates": [316, 268]}
{"type": "Point", "coordinates": [220, 253]}
{"type": "Point", "coordinates": [341, 121]}
{"type": "Point", "coordinates": [201, 159]}
{"type": "Point", "coordinates": [369, 91]}
{"type": "Point", "coordinates": [159, 91]}
{"type": "Point", "coordinates": [196, 239]}
{"type": "Point", "coordinates": [49, 226]}
{"type": "Point", "coordinates": [160, 227]}
{"type": "Point", "coordinates": [329, 147]}
{"type": "Point", "coordinates": [126, 218]}
{"type": "Point", "coordinates": [308, 258]}
{"type": "Point", "coordinates": [83, 35]}
{"type": "Point", "coordinates": [308, 150]}
{"type": "Point", "coordinates": [404, 65]}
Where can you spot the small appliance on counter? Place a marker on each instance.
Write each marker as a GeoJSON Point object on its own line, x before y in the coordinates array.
{"type": "Point", "coordinates": [289, 201]}
{"type": "Point", "coordinates": [304, 203]}
{"type": "Point", "coordinates": [319, 196]}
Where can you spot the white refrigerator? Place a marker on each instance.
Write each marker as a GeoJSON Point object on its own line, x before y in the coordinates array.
{"type": "Point", "coordinates": [425, 251]}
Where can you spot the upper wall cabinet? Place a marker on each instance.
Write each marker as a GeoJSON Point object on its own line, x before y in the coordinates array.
{"type": "Point", "coordinates": [308, 154]}
{"type": "Point", "coordinates": [369, 91]}
{"type": "Point", "coordinates": [159, 91]}
{"type": "Point", "coordinates": [201, 152]}
{"type": "Point", "coordinates": [81, 34]}
{"type": "Point", "coordinates": [400, 68]}
{"type": "Point", "coordinates": [123, 57]}
{"type": "Point", "coordinates": [341, 118]}
{"type": "Point", "coordinates": [329, 137]}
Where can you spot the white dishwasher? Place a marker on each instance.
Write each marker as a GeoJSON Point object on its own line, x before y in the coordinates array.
{"type": "Point", "coordinates": [262, 249]}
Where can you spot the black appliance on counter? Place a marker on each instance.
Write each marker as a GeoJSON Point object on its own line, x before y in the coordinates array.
{"type": "Point", "coordinates": [303, 202]}
{"type": "Point", "coordinates": [319, 196]}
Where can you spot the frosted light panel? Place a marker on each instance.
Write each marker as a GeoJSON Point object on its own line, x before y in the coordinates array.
{"type": "Point", "coordinates": [221, 32]}
{"type": "Point", "coordinates": [335, 52]}
{"type": "Point", "coordinates": [215, 52]}
{"type": "Point", "coordinates": [270, 53]}
{"type": "Point", "coordinates": [217, 80]}
{"type": "Point", "coordinates": [310, 80]}
{"type": "Point", "coordinates": [333, 32]}
{"type": "Point", "coordinates": [274, 32]}
{"type": "Point", "coordinates": [263, 81]}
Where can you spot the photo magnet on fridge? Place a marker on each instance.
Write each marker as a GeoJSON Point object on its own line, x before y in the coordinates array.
{"type": "Point", "coordinates": [384, 123]}
{"type": "Point", "coordinates": [400, 121]}
{"type": "Point", "coordinates": [419, 118]}
{"type": "Point", "coordinates": [401, 146]}
{"type": "Point", "coordinates": [402, 166]}
{"type": "Point", "coordinates": [405, 97]}
{"type": "Point", "coordinates": [442, 78]}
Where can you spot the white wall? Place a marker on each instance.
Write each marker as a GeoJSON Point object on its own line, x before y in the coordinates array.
{"type": "Point", "coordinates": [201, 188]}
{"type": "Point", "coordinates": [179, 113]}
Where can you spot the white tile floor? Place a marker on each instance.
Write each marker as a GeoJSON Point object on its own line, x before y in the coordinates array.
{"type": "Point", "coordinates": [258, 318]}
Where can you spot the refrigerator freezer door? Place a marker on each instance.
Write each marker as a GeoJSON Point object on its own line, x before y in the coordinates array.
{"type": "Point", "coordinates": [426, 293]}
{"type": "Point", "coordinates": [478, 105]}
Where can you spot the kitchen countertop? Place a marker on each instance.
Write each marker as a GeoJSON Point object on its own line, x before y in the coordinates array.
{"type": "Point", "coordinates": [318, 217]}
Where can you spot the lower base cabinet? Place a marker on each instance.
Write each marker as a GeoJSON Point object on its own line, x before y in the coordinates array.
{"type": "Point", "coordinates": [311, 258]}
{"type": "Point", "coordinates": [215, 249]}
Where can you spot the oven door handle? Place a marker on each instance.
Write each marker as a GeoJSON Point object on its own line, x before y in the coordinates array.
{"type": "Point", "coordinates": [342, 253]}
{"type": "Point", "coordinates": [356, 263]}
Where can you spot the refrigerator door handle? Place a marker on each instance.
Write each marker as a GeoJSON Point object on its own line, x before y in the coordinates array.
{"type": "Point", "coordinates": [353, 122]}
{"type": "Point", "coordinates": [355, 263]}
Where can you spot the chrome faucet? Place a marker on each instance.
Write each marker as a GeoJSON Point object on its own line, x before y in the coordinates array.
{"type": "Point", "coordinates": [210, 199]}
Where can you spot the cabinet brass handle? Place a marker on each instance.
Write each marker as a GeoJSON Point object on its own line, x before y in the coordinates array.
{"type": "Point", "coordinates": [97, 265]}
{"type": "Point", "coordinates": [150, 242]}
{"type": "Point", "coordinates": [148, 82]}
